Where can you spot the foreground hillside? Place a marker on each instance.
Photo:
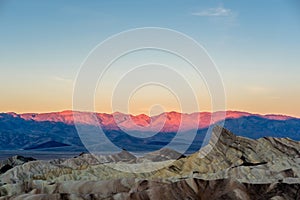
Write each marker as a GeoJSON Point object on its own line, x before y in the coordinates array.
{"type": "Point", "coordinates": [229, 167]}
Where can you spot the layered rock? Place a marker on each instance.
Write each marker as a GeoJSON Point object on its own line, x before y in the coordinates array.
{"type": "Point", "coordinates": [229, 167]}
{"type": "Point", "coordinates": [134, 189]}
{"type": "Point", "coordinates": [230, 156]}
{"type": "Point", "coordinates": [12, 162]}
{"type": "Point", "coordinates": [161, 155]}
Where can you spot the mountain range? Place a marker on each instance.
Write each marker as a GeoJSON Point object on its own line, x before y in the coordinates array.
{"type": "Point", "coordinates": [170, 120]}
{"type": "Point", "coordinates": [56, 131]}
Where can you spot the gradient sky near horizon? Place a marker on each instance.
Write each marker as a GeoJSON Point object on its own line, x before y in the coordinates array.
{"type": "Point", "coordinates": [255, 44]}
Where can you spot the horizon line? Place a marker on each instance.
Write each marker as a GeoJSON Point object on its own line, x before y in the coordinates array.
{"type": "Point", "coordinates": [188, 113]}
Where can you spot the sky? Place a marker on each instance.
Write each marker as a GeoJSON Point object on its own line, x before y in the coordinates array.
{"type": "Point", "coordinates": [255, 45]}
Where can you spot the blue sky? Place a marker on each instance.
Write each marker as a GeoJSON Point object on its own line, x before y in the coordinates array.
{"type": "Point", "coordinates": [255, 44]}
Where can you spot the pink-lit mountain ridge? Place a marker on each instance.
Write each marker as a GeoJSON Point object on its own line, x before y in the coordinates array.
{"type": "Point", "coordinates": [57, 130]}
{"type": "Point", "coordinates": [165, 122]}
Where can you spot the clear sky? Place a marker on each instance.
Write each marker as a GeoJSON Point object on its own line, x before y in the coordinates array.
{"type": "Point", "coordinates": [255, 44]}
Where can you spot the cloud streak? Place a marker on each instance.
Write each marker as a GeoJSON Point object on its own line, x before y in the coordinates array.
{"type": "Point", "coordinates": [214, 12]}
{"type": "Point", "coordinates": [61, 79]}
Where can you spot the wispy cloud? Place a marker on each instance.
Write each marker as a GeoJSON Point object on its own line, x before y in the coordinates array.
{"type": "Point", "coordinates": [62, 79]}
{"type": "Point", "coordinates": [214, 12]}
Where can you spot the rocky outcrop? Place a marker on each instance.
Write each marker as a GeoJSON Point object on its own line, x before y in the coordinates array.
{"type": "Point", "coordinates": [10, 163]}
{"type": "Point", "coordinates": [229, 167]}
{"type": "Point", "coordinates": [134, 189]}
{"type": "Point", "coordinates": [161, 155]}
{"type": "Point", "coordinates": [85, 160]}
{"type": "Point", "coordinates": [229, 156]}
{"type": "Point", "coordinates": [213, 189]}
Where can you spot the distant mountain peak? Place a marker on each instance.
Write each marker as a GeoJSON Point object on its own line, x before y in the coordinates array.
{"type": "Point", "coordinates": [166, 122]}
